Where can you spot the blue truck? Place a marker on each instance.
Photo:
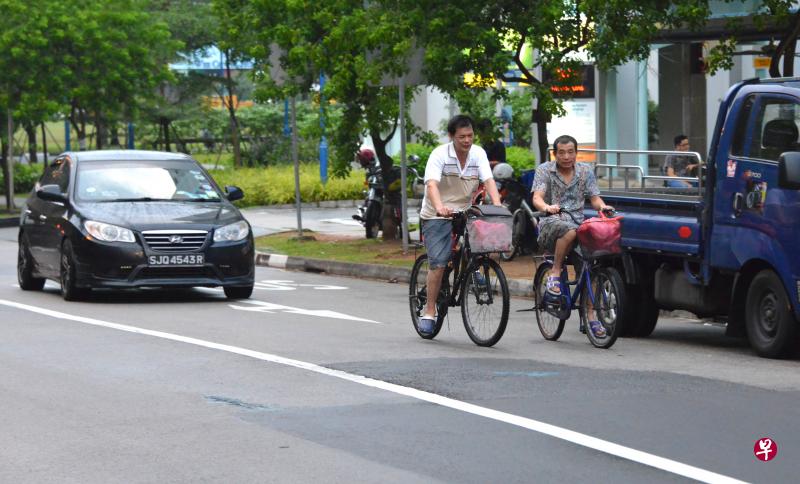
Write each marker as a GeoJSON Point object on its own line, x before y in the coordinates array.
{"type": "Point", "coordinates": [728, 247]}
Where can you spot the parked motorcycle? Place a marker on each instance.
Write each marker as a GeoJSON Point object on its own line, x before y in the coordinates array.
{"type": "Point", "coordinates": [370, 213]}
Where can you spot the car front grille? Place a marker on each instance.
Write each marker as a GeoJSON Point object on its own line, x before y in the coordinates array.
{"type": "Point", "coordinates": [175, 240]}
{"type": "Point", "coordinates": [175, 272]}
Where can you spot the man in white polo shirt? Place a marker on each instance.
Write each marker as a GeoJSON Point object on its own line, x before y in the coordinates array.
{"type": "Point", "coordinates": [452, 175]}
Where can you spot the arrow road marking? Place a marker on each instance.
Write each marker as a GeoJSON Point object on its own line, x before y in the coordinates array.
{"type": "Point", "coordinates": [270, 308]}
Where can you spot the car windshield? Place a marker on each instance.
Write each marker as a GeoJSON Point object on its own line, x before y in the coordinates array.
{"type": "Point", "coordinates": [110, 181]}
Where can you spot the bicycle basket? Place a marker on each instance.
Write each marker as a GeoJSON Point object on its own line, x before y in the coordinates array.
{"type": "Point", "coordinates": [489, 229]}
{"type": "Point", "coordinates": [600, 236]}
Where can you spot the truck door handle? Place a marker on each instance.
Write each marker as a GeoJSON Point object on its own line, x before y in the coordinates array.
{"type": "Point", "coordinates": [738, 204]}
{"type": "Point", "coordinates": [42, 217]}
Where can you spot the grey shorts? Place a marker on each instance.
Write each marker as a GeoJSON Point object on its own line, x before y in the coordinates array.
{"type": "Point", "coordinates": [436, 233]}
{"type": "Point", "coordinates": [549, 233]}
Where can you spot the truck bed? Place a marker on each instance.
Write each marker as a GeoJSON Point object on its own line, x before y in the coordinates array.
{"type": "Point", "coordinates": [666, 223]}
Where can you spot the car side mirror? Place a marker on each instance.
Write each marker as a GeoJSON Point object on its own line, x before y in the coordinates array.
{"type": "Point", "coordinates": [234, 193]}
{"type": "Point", "coordinates": [789, 170]}
{"type": "Point", "coordinates": [51, 193]}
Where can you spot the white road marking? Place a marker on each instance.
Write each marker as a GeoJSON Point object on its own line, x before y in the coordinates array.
{"type": "Point", "coordinates": [578, 438]}
{"type": "Point", "coordinates": [286, 285]}
{"type": "Point", "coordinates": [343, 221]}
{"type": "Point", "coordinates": [269, 308]}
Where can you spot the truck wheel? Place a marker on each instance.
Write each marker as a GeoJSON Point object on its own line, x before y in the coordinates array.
{"type": "Point", "coordinates": [771, 327]}
{"type": "Point", "coordinates": [642, 317]}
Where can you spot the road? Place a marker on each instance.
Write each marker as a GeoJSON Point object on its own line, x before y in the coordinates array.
{"type": "Point", "coordinates": [322, 379]}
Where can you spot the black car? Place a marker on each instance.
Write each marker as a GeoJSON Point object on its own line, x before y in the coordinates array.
{"type": "Point", "coordinates": [128, 219]}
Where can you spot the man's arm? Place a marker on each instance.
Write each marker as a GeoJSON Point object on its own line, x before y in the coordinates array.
{"type": "Point", "coordinates": [491, 187]}
{"type": "Point", "coordinates": [598, 204]}
{"type": "Point", "coordinates": [540, 205]}
{"type": "Point", "coordinates": [432, 186]}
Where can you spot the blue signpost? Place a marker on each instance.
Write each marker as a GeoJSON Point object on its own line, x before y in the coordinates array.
{"type": "Point", "coordinates": [323, 143]}
{"type": "Point", "coordinates": [130, 144]}
{"type": "Point", "coordinates": [66, 136]}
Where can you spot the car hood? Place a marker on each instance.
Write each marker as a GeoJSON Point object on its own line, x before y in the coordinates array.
{"type": "Point", "coordinates": [155, 215]}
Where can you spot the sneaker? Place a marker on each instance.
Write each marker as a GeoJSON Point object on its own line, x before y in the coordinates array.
{"type": "Point", "coordinates": [426, 325]}
{"type": "Point", "coordinates": [479, 280]}
{"type": "Point", "coordinates": [598, 330]}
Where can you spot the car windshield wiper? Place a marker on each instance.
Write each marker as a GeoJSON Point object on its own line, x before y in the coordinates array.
{"type": "Point", "coordinates": [140, 199]}
{"type": "Point", "coordinates": [197, 200]}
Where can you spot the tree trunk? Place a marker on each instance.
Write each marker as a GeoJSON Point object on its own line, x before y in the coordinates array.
{"type": "Point", "coordinates": [788, 58]}
{"type": "Point", "coordinates": [99, 130]}
{"type": "Point", "coordinates": [165, 131]}
{"type": "Point", "coordinates": [237, 153]}
{"type": "Point", "coordinates": [44, 145]}
{"type": "Point", "coordinates": [541, 118]}
{"type": "Point", "coordinates": [30, 129]}
{"type": "Point", "coordinates": [8, 166]}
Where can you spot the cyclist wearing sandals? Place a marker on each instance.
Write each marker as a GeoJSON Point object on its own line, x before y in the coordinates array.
{"type": "Point", "coordinates": [558, 184]}
{"type": "Point", "coordinates": [452, 175]}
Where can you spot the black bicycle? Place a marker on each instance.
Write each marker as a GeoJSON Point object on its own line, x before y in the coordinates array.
{"type": "Point", "coordinates": [473, 281]}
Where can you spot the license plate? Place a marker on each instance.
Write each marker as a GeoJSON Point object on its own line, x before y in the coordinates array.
{"type": "Point", "coordinates": [176, 260]}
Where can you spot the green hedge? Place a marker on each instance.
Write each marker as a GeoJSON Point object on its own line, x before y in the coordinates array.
{"type": "Point", "coordinates": [25, 177]}
{"type": "Point", "coordinates": [275, 184]}
{"type": "Point", "coordinates": [520, 158]}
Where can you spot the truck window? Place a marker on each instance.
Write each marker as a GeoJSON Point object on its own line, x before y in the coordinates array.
{"type": "Point", "coordinates": [776, 129]}
{"type": "Point", "coordinates": [741, 126]}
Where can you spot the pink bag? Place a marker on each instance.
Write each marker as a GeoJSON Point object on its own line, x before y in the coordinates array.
{"type": "Point", "coordinates": [600, 235]}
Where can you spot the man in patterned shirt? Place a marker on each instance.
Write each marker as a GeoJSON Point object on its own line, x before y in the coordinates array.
{"type": "Point", "coordinates": [563, 184]}
{"type": "Point", "coordinates": [452, 175]}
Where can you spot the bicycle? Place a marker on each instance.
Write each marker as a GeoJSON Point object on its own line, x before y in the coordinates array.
{"type": "Point", "coordinates": [595, 283]}
{"type": "Point", "coordinates": [472, 280]}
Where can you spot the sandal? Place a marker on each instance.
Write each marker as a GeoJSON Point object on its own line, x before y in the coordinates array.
{"type": "Point", "coordinates": [554, 285]}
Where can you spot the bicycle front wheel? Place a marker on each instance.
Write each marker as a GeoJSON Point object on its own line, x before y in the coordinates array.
{"type": "Point", "coordinates": [485, 302]}
{"type": "Point", "coordinates": [550, 326]}
{"type": "Point", "coordinates": [607, 303]}
{"type": "Point", "coordinates": [418, 296]}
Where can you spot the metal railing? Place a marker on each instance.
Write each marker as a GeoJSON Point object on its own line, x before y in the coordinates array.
{"type": "Point", "coordinates": [639, 173]}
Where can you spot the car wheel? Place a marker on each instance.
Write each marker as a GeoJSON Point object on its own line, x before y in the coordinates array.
{"type": "Point", "coordinates": [238, 292]}
{"type": "Point", "coordinates": [69, 290]}
{"type": "Point", "coordinates": [25, 277]}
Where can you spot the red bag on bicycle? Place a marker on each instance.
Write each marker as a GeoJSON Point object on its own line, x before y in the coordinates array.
{"type": "Point", "coordinates": [600, 235]}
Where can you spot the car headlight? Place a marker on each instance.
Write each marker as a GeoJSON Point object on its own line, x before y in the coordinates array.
{"type": "Point", "coordinates": [232, 233]}
{"type": "Point", "coordinates": [108, 232]}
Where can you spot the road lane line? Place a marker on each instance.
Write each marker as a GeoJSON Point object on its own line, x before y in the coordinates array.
{"type": "Point", "coordinates": [578, 438]}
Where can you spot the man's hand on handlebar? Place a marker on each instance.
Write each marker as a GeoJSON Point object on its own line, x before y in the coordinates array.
{"type": "Point", "coordinates": [552, 209]}
{"type": "Point", "coordinates": [444, 211]}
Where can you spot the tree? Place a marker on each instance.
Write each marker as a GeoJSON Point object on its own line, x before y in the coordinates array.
{"type": "Point", "coordinates": [490, 41]}
{"type": "Point", "coordinates": [353, 46]}
{"type": "Point", "coordinates": [774, 16]}
{"type": "Point", "coordinates": [29, 70]}
{"type": "Point", "coordinates": [116, 53]}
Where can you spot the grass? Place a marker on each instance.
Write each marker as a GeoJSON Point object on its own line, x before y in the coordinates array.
{"type": "Point", "coordinates": [366, 251]}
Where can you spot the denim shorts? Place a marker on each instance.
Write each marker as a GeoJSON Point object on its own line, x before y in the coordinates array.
{"type": "Point", "coordinates": [436, 233]}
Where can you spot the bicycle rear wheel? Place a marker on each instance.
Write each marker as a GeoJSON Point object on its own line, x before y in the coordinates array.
{"type": "Point", "coordinates": [609, 301]}
{"type": "Point", "coordinates": [418, 296]}
{"type": "Point", "coordinates": [485, 301]}
{"type": "Point", "coordinates": [550, 326]}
